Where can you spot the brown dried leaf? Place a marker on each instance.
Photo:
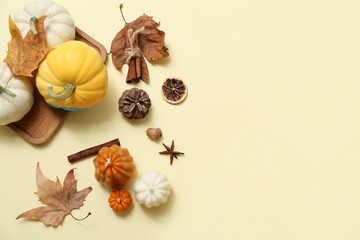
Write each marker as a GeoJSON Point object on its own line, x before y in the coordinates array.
{"type": "Point", "coordinates": [150, 41]}
{"type": "Point", "coordinates": [24, 55]}
{"type": "Point", "coordinates": [118, 46]}
{"type": "Point", "coordinates": [60, 200]}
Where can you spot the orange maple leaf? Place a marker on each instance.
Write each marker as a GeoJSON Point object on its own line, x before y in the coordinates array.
{"type": "Point", "coordinates": [24, 55]}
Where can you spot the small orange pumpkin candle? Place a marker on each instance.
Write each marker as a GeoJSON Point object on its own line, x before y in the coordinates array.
{"type": "Point", "coordinates": [120, 200]}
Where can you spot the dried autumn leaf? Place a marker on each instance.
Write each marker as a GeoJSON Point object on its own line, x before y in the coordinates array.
{"type": "Point", "coordinates": [60, 201]}
{"type": "Point", "coordinates": [24, 55]}
{"type": "Point", "coordinates": [147, 38]}
{"type": "Point", "coordinates": [118, 46]}
{"type": "Point", "coordinates": [151, 40]}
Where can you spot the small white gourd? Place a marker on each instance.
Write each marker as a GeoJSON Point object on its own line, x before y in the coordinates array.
{"type": "Point", "coordinates": [59, 25]}
{"type": "Point", "coordinates": [152, 189]}
{"type": "Point", "coordinates": [14, 108]}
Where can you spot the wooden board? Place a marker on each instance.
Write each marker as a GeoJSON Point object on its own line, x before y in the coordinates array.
{"type": "Point", "coordinates": [41, 123]}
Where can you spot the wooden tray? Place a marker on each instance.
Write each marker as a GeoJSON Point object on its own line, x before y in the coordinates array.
{"type": "Point", "coordinates": [41, 122]}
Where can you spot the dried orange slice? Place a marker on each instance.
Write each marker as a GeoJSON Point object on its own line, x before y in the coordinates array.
{"type": "Point", "coordinates": [174, 90]}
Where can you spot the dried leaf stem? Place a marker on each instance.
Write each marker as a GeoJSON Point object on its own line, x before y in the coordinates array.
{"type": "Point", "coordinates": [122, 14]}
{"type": "Point", "coordinates": [80, 219]}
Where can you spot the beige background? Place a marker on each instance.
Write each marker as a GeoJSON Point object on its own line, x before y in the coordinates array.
{"type": "Point", "coordinates": [271, 126]}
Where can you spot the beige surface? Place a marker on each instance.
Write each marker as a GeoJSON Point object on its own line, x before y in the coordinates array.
{"type": "Point", "coordinates": [271, 126]}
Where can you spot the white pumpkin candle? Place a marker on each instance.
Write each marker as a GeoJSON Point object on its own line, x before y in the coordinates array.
{"type": "Point", "coordinates": [59, 25]}
{"type": "Point", "coordinates": [152, 189]}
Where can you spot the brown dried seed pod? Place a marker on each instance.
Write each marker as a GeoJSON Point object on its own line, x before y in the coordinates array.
{"type": "Point", "coordinates": [154, 133]}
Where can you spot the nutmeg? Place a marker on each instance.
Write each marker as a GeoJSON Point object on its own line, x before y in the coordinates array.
{"type": "Point", "coordinates": [154, 133]}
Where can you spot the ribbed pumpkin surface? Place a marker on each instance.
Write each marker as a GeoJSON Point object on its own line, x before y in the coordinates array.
{"type": "Point", "coordinates": [113, 166]}
{"type": "Point", "coordinates": [76, 63]}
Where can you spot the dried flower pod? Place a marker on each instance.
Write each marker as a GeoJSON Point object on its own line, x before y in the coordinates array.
{"type": "Point", "coordinates": [154, 133]}
{"type": "Point", "coordinates": [134, 103]}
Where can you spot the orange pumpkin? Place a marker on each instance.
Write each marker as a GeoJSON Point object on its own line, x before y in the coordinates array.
{"type": "Point", "coordinates": [120, 200]}
{"type": "Point", "coordinates": [113, 166]}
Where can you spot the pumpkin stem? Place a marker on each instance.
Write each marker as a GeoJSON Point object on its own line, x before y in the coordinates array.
{"type": "Point", "coordinates": [69, 89]}
{"type": "Point", "coordinates": [32, 23]}
{"type": "Point", "coordinates": [77, 219]}
{"type": "Point", "coordinates": [7, 91]}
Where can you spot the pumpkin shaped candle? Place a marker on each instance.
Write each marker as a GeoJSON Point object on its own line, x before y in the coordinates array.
{"type": "Point", "coordinates": [120, 200]}
{"type": "Point", "coordinates": [152, 189]}
{"type": "Point", "coordinates": [113, 166]}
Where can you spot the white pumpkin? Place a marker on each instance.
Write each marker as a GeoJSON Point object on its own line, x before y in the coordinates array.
{"type": "Point", "coordinates": [13, 109]}
{"type": "Point", "coordinates": [59, 25]}
{"type": "Point", "coordinates": [152, 189]}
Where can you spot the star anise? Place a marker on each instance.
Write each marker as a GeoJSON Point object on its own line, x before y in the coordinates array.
{"type": "Point", "coordinates": [174, 90]}
{"type": "Point", "coordinates": [134, 103]}
{"type": "Point", "coordinates": [171, 152]}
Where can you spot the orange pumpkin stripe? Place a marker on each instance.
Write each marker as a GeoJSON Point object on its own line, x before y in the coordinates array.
{"type": "Point", "coordinates": [126, 194]}
{"type": "Point", "coordinates": [125, 174]}
{"type": "Point", "coordinates": [128, 201]}
{"type": "Point", "coordinates": [115, 155]}
{"type": "Point", "coordinates": [118, 161]}
{"type": "Point", "coordinates": [124, 152]}
{"type": "Point", "coordinates": [102, 168]}
{"type": "Point", "coordinates": [128, 166]}
{"type": "Point", "coordinates": [124, 205]}
{"type": "Point", "coordinates": [116, 168]}
{"type": "Point", "coordinates": [127, 159]}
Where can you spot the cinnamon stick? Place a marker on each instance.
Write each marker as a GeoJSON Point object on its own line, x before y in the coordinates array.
{"type": "Point", "coordinates": [91, 151]}
{"type": "Point", "coordinates": [131, 76]}
{"type": "Point", "coordinates": [134, 71]}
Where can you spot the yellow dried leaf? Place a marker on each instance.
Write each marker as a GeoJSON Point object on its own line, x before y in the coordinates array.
{"type": "Point", "coordinates": [24, 55]}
